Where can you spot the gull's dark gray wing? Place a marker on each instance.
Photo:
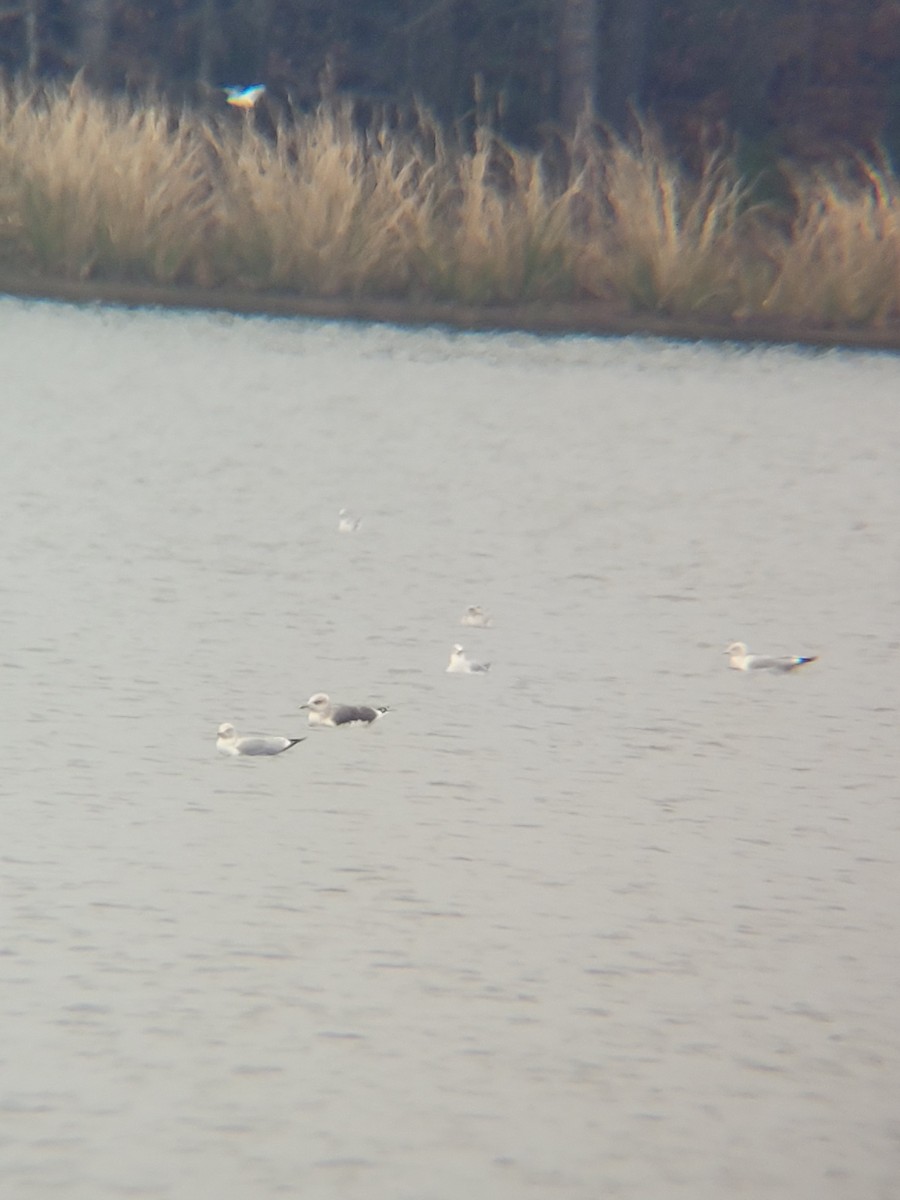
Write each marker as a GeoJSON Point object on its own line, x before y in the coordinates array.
{"type": "Point", "coordinates": [349, 714]}
{"type": "Point", "coordinates": [356, 714]}
{"type": "Point", "coordinates": [265, 745]}
{"type": "Point", "coordinates": [761, 662]}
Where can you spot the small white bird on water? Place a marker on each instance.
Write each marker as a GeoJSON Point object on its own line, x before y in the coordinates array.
{"type": "Point", "coordinates": [323, 712]}
{"type": "Point", "coordinates": [229, 742]}
{"type": "Point", "coordinates": [476, 617]}
{"type": "Point", "coordinates": [740, 660]}
{"type": "Point", "coordinates": [347, 523]}
{"type": "Point", "coordinates": [461, 665]}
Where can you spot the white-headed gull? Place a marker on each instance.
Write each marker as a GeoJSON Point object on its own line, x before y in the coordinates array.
{"type": "Point", "coordinates": [323, 712]}
{"type": "Point", "coordinates": [461, 665]}
{"type": "Point", "coordinates": [476, 617]}
{"type": "Point", "coordinates": [229, 742]}
{"type": "Point", "coordinates": [740, 660]}
{"type": "Point", "coordinates": [347, 523]}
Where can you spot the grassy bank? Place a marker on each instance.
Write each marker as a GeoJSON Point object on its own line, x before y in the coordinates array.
{"type": "Point", "coordinates": [105, 190]}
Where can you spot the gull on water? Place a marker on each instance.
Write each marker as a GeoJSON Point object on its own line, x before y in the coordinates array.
{"type": "Point", "coordinates": [740, 660]}
{"type": "Point", "coordinates": [476, 617]}
{"type": "Point", "coordinates": [229, 742]}
{"type": "Point", "coordinates": [347, 523]}
{"type": "Point", "coordinates": [244, 97]}
{"type": "Point", "coordinates": [460, 665]}
{"type": "Point", "coordinates": [322, 711]}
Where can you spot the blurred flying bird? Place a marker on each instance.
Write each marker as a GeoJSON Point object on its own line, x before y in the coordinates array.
{"type": "Point", "coordinates": [244, 97]}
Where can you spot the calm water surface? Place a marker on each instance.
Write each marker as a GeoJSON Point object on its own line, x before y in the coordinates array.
{"type": "Point", "coordinates": [612, 921]}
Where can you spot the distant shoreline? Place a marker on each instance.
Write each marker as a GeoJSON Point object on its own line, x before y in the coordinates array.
{"type": "Point", "coordinates": [556, 318]}
{"type": "Point", "coordinates": [128, 201]}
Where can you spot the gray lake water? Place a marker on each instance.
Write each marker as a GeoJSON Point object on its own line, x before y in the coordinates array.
{"type": "Point", "coordinates": [612, 921]}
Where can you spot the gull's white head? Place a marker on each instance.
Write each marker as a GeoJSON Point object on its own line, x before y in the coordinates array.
{"type": "Point", "coordinates": [736, 650]}
{"type": "Point", "coordinates": [457, 650]}
{"type": "Point", "coordinates": [318, 702]}
{"type": "Point", "coordinates": [226, 731]}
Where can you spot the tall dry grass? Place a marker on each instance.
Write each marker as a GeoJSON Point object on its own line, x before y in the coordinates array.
{"type": "Point", "coordinates": [326, 210]}
{"type": "Point", "coordinates": [841, 260]}
{"type": "Point", "coordinates": [93, 186]}
{"type": "Point", "coordinates": [496, 229]}
{"type": "Point", "coordinates": [320, 208]}
{"type": "Point", "coordinates": [658, 236]}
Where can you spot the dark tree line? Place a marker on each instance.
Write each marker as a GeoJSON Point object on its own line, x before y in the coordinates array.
{"type": "Point", "coordinates": [807, 78]}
